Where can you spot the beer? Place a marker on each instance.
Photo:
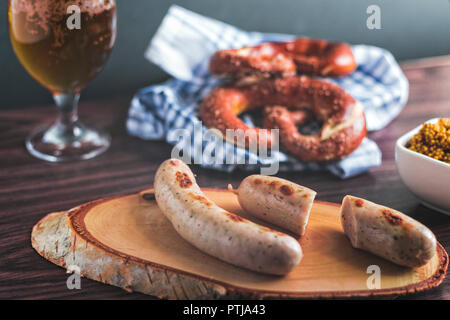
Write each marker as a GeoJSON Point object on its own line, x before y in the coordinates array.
{"type": "Point", "coordinates": [64, 44]}
{"type": "Point", "coordinates": [58, 54]}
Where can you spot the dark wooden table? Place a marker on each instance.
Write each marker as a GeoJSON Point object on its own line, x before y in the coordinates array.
{"type": "Point", "coordinates": [30, 188]}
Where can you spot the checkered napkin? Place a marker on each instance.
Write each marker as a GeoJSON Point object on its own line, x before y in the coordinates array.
{"type": "Point", "coordinates": [182, 47]}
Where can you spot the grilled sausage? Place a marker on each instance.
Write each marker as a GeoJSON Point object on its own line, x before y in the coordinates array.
{"type": "Point", "coordinates": [386, 232]}
{"type": "Point", "coordinates": [278, 201]}
{"type": "Point", "coordinates": [218, 232]}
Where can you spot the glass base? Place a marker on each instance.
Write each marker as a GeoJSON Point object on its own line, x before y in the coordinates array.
{"type": "Point", "coordinates": [58, 143]}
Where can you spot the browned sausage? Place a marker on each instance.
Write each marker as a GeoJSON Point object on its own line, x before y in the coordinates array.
{"type": "Point", "coordinates": [278, 201]}
{"type": "Point", "coordinates": [218, 232]}
{"type": "Point", "coordinates": [386, 232]}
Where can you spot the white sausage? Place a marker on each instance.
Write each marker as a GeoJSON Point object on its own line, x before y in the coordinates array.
{"type": "Point", "coordinates": [386, 232]}
{"type": "Point", "coordinates": [217, 232]}
{"type": "Point", "coordinates": [278, 201]}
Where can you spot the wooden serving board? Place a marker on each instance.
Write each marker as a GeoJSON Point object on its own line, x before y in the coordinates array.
{"type": "Point", "coordinates": [127, 242]}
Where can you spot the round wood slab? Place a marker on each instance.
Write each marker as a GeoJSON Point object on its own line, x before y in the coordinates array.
{"type": "Point", "coordinates": [127, 242]}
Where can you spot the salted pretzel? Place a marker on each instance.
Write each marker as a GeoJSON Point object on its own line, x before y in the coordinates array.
{"type": "Point", "coordinates": [301, 56]}
{"type": "Point", "coordinates": [344, 124]}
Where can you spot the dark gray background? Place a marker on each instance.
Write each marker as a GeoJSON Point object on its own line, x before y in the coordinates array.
{"type": "Point", "coordinates": [410, 29]}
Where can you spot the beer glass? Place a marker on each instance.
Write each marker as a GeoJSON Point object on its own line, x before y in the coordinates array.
{"type": "Point", "coordinates": [64, 44]}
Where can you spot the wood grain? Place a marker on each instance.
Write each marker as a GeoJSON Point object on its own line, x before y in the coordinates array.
{"type": "Point", "coordinates": [127, 242]}
{"type": "Point", "coordinates": [30, 188]}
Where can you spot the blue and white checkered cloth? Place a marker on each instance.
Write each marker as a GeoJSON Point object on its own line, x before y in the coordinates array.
{"type": "Point", "coordinates": [182, 47]}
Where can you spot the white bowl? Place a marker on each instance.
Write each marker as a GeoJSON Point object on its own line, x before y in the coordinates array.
{"type": "Point", "coordinates": [427, 178]}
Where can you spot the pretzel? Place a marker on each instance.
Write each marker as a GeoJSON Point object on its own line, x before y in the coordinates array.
{"type": "Point", "coordinates": [344, 124]}
{"type": "Point", "coordinates": [301, 56]}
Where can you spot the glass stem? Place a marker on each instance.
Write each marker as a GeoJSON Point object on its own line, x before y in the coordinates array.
{"type": "Point", "coordinates": [67, 103]}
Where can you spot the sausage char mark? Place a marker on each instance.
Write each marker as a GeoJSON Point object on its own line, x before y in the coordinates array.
{"type": "Point", "coordinates": [183, 179]}
{"type": "Point", "coordinates": [271, 230]}
{"type": "Point", "coordinates": [286, 190]}
{"type": "Point", "coordinates": [200, 198]}
{"type": "Point", "coordinates": [359, 203]}
{"type": "Point", "coordinates": [234, 217]}
{"type": "Point", "coordinates": [273, 184]}
{"type": "Point", "coordinates": [257, 181]}
{"type": "Point", "coordinates": [391, 217]}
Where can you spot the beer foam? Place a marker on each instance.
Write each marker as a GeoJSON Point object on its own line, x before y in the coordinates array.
{"type": "Point", "coordinates": [46, 9]}
{"type": "Point", "coordinates": [40, 12]}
